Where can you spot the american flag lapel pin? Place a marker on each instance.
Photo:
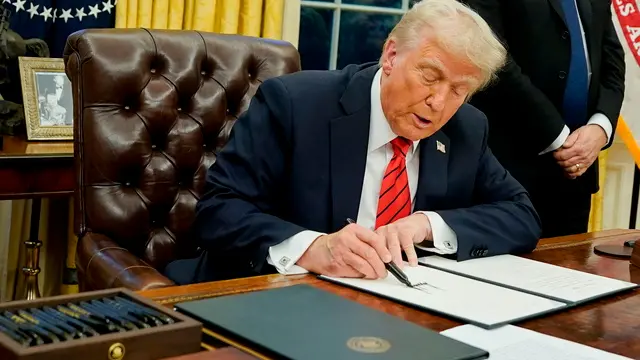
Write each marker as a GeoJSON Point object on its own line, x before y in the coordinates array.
{"type": "Point", "coordinates": [440, 147]}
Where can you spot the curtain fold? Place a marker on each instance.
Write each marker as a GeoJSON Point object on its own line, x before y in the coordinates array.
{"type": "Point", "coordinates": [259, 18]}
{"type": "Point", "coordinates": [597, 199]}
{"type": "Point", "coordinates": [15, 221]}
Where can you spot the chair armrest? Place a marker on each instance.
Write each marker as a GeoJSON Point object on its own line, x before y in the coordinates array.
{"type": "Point", "coordinates": [103, 264]}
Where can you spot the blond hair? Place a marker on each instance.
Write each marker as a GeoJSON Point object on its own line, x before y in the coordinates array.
{"type": "Point", "coordinates": [457, 29]}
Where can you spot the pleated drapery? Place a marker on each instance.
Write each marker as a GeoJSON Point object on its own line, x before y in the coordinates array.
{"type": "Point", "coordinates": [597, 199]}
{"type": "Point", "coordinates": [260, 18]}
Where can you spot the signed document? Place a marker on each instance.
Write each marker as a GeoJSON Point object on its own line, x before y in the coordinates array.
{"type": "Point", "coordinates": [535, 277]}
{"type": "Point", "coordinates": [459, 297]}
{"type": "Point", "coordinates": [515, 343]}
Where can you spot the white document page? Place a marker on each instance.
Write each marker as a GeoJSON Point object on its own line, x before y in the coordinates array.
{"type": "Point", "coordinates": [534, 276]}
{"type": "Point", "coordinates": [515, 343]}
{"type": "Point", "coordinates": [457, 296]}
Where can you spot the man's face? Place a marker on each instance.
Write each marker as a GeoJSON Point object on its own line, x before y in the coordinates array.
{"type": "Point", "coordinates": [422, 87]}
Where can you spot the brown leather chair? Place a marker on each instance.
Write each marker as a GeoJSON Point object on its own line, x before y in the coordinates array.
{"type": "Point", "coordinates": [151, 109]}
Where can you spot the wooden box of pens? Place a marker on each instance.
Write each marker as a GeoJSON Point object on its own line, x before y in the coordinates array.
{"type": "Point", "coordinates": [114, 324]}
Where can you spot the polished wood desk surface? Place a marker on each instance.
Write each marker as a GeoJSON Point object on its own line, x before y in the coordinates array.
{"type": "Point", "coordinates": [611, 324]}
{"type": "Point", "coordinates": [19, 147]}
{"type": "Point", "coordinates": [34, 169]}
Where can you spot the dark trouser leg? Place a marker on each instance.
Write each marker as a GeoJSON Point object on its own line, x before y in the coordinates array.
{"type": "Point", "coordinates": [562, 213]}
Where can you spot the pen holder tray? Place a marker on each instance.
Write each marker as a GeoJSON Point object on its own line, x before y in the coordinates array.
{"type": "Point", "coordinates": [113, 324]}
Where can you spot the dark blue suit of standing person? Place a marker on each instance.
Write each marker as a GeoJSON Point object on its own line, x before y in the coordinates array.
{"type": "Point", "coordinates": [318, 147]}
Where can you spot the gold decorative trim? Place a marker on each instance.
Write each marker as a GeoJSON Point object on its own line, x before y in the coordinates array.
{"type": "Point", "coordinates": [563, 245]}
{"type": "Point", "coordinates": [235, 344]}
{"type": "Point", "coordinates": [594, 240]}
{"type": "Point", "coordinates": [207, 347]}
{"type": "Point", "coordinates": [184, 298]}
{"type": "Point", "coordinates": [368, 344]}
{"type": "Point", "coordinates": [29, 66]}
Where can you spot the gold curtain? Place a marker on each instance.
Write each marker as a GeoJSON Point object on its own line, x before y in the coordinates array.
{"type": "Point", "coordinates": [15, 216]}
{"type": "Point", "coordinates": [595, 217]}
{"type": "Point", "coordinates": [260, 18]}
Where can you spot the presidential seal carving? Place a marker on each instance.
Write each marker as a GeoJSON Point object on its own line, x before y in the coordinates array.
{"type": "Point", "coordinates": [368, 344]}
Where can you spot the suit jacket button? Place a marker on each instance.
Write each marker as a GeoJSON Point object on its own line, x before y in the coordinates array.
{"type": "Point", "coordinates": [562, 74]}
{"type": "Point", "coordinates": [565, 35]}
{"type": "Point", "coordinates": [251, 263]}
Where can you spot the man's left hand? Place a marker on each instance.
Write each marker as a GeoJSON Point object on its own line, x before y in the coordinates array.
{"type": "Point", "coordinates": [581, 149]}
{"type": "Point", "coordinates": [403, 234]}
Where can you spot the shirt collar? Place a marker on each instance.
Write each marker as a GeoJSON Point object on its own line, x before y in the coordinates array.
{"type": "Point", "coordinates": [380, 132]}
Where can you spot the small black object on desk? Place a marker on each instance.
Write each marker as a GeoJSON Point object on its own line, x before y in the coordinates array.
{"type": "Point", "coordinates": [619, 251]}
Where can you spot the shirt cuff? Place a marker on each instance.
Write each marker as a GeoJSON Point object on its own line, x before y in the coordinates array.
{"type": "Point", "coordinates": [285, 255]}
{"type": "Point", "coordinates": [603, 121]}
{"type": "Point", "coordinates": [559, 141]}
{"type": "Point", "coordinates": [445, 240]}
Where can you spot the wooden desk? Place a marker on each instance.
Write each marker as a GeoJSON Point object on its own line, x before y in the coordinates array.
{"type": "Point", "coordinates": [610, 324]}
{"type": "Point", "coordinates": [33, 170]}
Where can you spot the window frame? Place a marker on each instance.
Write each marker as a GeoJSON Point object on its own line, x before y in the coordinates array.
{"type": "Point", "coordinates": [337, 6]}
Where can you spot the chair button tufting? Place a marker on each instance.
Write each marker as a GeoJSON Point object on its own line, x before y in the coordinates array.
{"type": "Point", "coordinates": [127, 184]}
{"type": "Point", "coordinates": [179, 109]}
{"type": "Point", "coordinates": [153, 71]}
{"type": "Point", "coordinates": [154, 146]}
{"type": "Point", "coordinates": [126, 107]}
{"type": "Point", "coordinates": [203, 73]}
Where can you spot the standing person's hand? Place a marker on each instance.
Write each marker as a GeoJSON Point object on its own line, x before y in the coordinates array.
{"type": "Point", "coordinates": [403, 234]}
{"type": "Point", "coordinates": [581, 150]}
{"type": "Point", "coordinates": [353, 252]}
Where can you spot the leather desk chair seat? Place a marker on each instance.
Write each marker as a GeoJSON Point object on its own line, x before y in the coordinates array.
{"type": "Point", "coordinates": [151, 109]}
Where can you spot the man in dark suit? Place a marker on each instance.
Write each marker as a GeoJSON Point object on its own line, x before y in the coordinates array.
{"type": "Point", "coordinates": [390, 145]}
{"type": "Point", "coordinates": [557, 101]}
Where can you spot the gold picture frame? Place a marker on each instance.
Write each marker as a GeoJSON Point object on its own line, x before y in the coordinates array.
{"type": "Point", "coordinates": [47, 99]}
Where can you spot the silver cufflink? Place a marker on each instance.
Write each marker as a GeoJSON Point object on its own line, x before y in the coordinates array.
{"type": "Point", "coordinates": [284, 261]}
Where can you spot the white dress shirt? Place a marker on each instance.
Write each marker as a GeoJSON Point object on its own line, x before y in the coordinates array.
{"type": "Point", "coordinates": [597, 118]}
{"type": "Point", "coordinates": [284, 255]}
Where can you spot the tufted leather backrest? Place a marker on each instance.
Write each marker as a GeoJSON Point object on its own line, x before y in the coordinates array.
{"type": "Point", "coordinates": [151, 109]}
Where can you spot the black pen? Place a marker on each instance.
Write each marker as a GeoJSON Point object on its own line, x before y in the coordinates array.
{"type": "Point", "coordinates": [392, 267]}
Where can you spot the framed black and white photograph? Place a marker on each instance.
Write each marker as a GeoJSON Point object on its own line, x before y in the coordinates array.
{"type": "Point", "coordinates": [48, 104]}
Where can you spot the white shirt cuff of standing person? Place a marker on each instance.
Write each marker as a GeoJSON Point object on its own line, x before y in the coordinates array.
{"type": "Point", "coordinates": [597, 119]}
{"type": "Point", "coordinates": [285, 255]}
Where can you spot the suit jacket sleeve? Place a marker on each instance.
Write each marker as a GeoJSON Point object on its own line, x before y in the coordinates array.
{"type": "Point", "coordinates": [611, 92]}
{"type": "Point", "coordinates": [502, 219]}
{"type": "Point", "coordinates": [540, 119]}
{"type": "Point", "coordinates": [237, 215]}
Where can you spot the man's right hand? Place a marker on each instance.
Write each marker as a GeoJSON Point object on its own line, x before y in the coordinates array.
{"type": "Point", "coordinates": [353, 252]}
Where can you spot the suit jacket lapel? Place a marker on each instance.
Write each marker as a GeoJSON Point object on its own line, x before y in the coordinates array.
{"type": "Point", "coordinates": [349, 143]}
{"type": "Point", "coordinates": [586, 15]}
{"type": "Point", "coordinates": [432, 178]}
{"type": "Point", "coordinates": [557, 6]}
{"type": "Point", "coordinates": [584, 11]}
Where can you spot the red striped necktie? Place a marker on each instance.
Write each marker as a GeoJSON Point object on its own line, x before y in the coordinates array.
{"type": "Point", "coordinates": [394, 201]}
